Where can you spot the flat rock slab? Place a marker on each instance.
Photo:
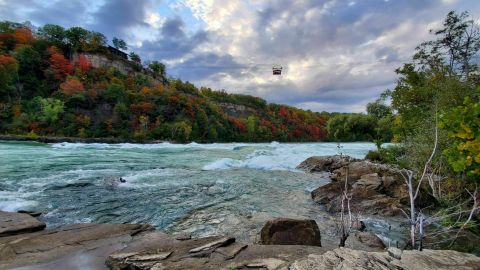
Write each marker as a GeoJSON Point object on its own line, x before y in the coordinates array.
{"type": "Point", "coordinates": [214, 252]}
{"type": "Point", "coordinates": [212, 245]}
{"type": "Point", "coordinates": [344, 258]}
{"type": "Point", "coordinates": [49, 245]}
{"type": "Point", "coordinates": [17, 223]}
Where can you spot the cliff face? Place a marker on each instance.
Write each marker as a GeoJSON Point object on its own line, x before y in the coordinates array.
{"type": "Point", "coordinates": [238, 111]}
{"type": "Point", "coordinates": [126, 67]}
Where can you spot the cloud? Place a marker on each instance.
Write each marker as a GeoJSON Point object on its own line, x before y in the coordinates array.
{"type": "Point", "coordinates": [337, 55]}
{"type": "Point", "coordinates": [119, 16]}
{"type": "Point", "coordinates": [173, 42]}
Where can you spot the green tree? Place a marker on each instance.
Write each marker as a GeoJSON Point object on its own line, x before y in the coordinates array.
{"type": "Point", "coordinates": [29, 71]}
{"type": "Point", "coordinates": [51, 109]}
{"type": "Point", "coordinates": [76, 37]}
{"type": "Point", "coordinates": [250, 125]}
{"type": "Point", "coordinates": [181, 131]}
{"type": "Point", "coordinates": [157, 67]}
{"type": "Point", "coordinates": [135, 57]}
{"type": "Point", "coordinates": [456, 45]}
{"type": "Point", "coordinates": [8, 75]}
{"type": "Point", "coordinates": [119, 44]}
{"type": "Point", "coordinates": [463, 126]}
{"type": "Point", "coordinates": [53, 33]}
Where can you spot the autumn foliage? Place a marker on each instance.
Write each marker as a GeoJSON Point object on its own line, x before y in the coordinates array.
{"type": "Point", "coordinates": [71, 87]}
{"type": "Point", "coordinates": [83, 63]}
{"type": "Point", "coordinates": [52, 66]}
{"type": "Point", "coordinates": [60, 66]}
{"type": "Point", "coordinates": [23, 35]}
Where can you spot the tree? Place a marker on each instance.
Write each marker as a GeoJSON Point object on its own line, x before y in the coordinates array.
{"type": "Point", "coordinates": [181, 131]}
{"type": "Point", "coordinates": [463, 126]}
{"type": "Point", "coordinates": [8, 74]}
{"type": "Point", "coordinates": [119, 44]}
{"type": "Point", "coordinates": [51, 109]}
{"type": "Point", "coordinates": [23, 35]}
{"type": "Point", "coordinates": [60, 66]}
{"type": "Point", "coordinates": [95, 42]}
{"type": "Point", "coordinates": [83, 63]}
{"type": "Point", "coordinates": [135, 57]}
{"type": "Point", "coordinates": [456, 45]}
{"type": "Point", "coordinates": [29, 70]}
{"type": "Point", "coordinates": [53, 33]}
{"type": "Point", "coordinates": [250, 125]}
{"type": "Point", "coordinates": [157, 67]}
{"type": "Point", "coordinates": [378, 109]}
{"type": "Point", "coordinates": [76, 37]}
{"type": "Point", "coordinates": [71, 87]}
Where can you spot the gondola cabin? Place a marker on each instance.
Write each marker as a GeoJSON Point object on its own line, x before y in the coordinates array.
{"type": "Point", "coordinates": [277, 70]}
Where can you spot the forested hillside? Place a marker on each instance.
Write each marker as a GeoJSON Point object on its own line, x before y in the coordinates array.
{"type": "Point", "coordinates": [49, 86]}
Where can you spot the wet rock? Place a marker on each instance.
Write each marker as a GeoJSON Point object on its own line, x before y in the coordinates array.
{"type": "Point", "coordinates": [324, 163]}
{"type": "Point", "coordinates": [31, 213]}
{"type": "Point", "coordinates": [17, 223]}
{"type": "Point", "coordinates": [285, 231]}
{"type": "Point", "coordinates": [370, 239]}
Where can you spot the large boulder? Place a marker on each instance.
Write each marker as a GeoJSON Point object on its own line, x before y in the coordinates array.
{"type": "Point", "coordinates": [363, 200]}
{"type": "Point", "coordinates": [325, 163]}
{"type": "Point", "coordinates": [285, 231]}
{"type": "Point", "coordinates": [17, 223]}
{"type": "Point", "coordinates": [375, 188]}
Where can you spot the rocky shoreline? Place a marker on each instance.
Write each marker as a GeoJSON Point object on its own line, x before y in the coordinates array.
{"type": "Point", "coordinates": [376, 189]}
{"type": "Point", "coordinates": [26, 243]}
{"type": "Point", "coordinates": [139, 246]}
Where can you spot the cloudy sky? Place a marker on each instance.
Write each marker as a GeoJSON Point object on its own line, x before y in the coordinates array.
{"type": "Point", "coordinates": [337, 55]}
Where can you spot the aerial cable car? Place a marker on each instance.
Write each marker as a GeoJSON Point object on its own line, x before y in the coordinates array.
{"type": "Point", "coordinates": [277, 70]}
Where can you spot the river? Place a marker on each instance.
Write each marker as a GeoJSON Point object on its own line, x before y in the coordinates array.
{"type": "Point", "coordinates": [202, 189]}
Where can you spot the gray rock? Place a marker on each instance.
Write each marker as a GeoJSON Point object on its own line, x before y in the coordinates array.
{"type": "Point", "coordinates": [395, 252]}
{"type": "Point", "coordinates": [268, 263]}
{"type": "Point", "coordinates": [343, 258]}
{"type": "Point", "coordinates": [375, 188]}
{"type": "Point", "coordinates": [50, 245]}
{"type": "Point", "coordinates": [17, 223]}
{"type": "Point", "coordinates": [370, 239]}
{"type": "Point", "coordinates": [231, 251]}
{"type": "Point", "coordinates": [212, 245]}
{"type": "Point", "coordinates": [325, 163]}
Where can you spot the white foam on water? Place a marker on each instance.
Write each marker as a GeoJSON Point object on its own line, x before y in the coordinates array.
{"type": "Point", "coordinates": [276, 156]}
{"type": "Point", "coordinates": [164, 145]}
{"type": "Point", "coordinates": [14, 201]}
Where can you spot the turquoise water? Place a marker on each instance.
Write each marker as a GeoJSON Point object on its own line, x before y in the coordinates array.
{"type": "Point", "coordinates": [200, 189]}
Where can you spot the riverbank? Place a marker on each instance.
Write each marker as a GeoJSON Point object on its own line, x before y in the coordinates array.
{"type": "Point", "coordinates": [139, 246]}
{"type": "Point", "coordinates": [49, 139]}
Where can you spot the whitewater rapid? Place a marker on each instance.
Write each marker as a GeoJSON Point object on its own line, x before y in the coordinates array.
{"type": "Point", "coordinates": [202, 189]}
